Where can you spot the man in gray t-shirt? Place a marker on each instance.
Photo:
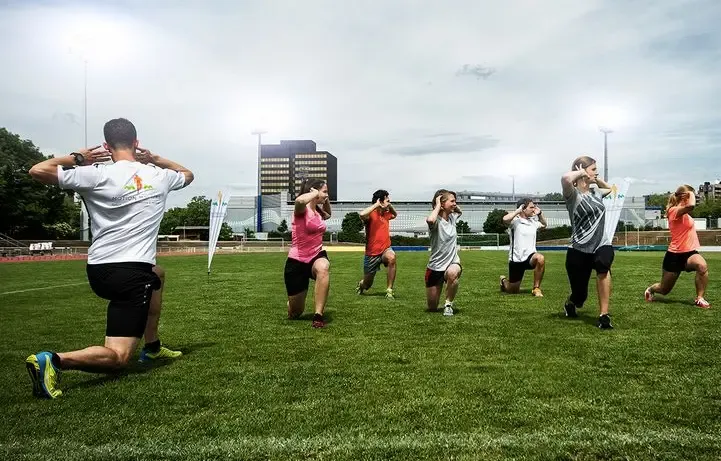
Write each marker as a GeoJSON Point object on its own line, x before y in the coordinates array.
{"type": "Point", "coordinates": [588, 218]}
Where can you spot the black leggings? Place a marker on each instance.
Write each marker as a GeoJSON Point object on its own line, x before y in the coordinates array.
{"type": "Point", "coordinates": [579, 266]}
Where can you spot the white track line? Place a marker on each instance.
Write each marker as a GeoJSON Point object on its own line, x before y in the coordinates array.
{"type": "Point", "coordinates": [42, 288]}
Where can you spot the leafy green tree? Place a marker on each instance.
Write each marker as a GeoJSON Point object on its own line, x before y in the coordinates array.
{"type": "Point", "coordinates": [283, 227]}
{"type": "Point", "coordinates": [28, 208]}
{"type": "Point", "coordinates": [553, 197]}
{"type": "Point", "coordinates": [351, 228]}
{"type": "Point", "coordinates": [494, 222]}
{"type": "Point", "coordinates": [226, 232]}
{"type": "Point", "coordinates": [707, 208]}
{"type": "Point", "coordinates": [462, 227]}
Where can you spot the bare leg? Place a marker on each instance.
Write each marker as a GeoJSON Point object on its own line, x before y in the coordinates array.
{"type": "Point", "coordinates": [698, 263]}
{"type": "Point", "coordinates": [114, 355]}
{"type": "Point", "coordinates": [668, 280]}
{"type": "Point", "coordinates": [367, 281]}
{"type": "Point", "coordinates": [296, 305]}
{"type": "Point", "coordinates": [321, 272]}
{"type": "Point", "coordinates": [539, 268]}
{"type": "Point", "coordinates": [433, 295]}
{"type": "Point", "coordinates": [511, 288]}
{"type": "Point", "coordinates": [156, 304]}
{"type": "Point", "coordinates": [603, 285]}
{"type": "Point", "coordinates": [389, 258]}
{"type": "Point", "coordinates": [453, 273]}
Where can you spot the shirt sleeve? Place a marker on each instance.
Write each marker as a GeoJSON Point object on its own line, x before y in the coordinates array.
{"type": "Point", "coordinates": [174, 179]}
{"type": "Point", "coordinates": [79, 178]}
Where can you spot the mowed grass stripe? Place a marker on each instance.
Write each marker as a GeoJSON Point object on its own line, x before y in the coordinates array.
{"type": "Point", "coordinates": [508, 377]}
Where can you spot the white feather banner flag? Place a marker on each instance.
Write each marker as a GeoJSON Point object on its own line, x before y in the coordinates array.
{"type": "Point", "coordinates": [218, 209]}
{"type": "Point", "coordinates": [614, 204]}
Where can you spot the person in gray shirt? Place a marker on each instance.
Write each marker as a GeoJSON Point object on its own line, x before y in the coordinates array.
{"type": "Point", "coordinates": [444, 264]}
{"type": "Point", "coordinates": [590, 248]}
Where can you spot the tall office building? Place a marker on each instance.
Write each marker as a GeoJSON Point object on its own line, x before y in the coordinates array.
{"type": "Point", "coordinates": [710, 190]}
{"type": "Point", "coordinates": [284, 166]}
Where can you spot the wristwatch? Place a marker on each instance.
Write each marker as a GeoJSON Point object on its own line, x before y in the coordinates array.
{"type": "Point", "coordinates": [79, 158]}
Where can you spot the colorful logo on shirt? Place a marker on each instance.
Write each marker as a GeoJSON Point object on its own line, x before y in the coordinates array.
{"type": "Point", "coordinates": [138, 184]}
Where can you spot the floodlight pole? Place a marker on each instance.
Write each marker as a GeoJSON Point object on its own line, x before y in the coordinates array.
{"type": "Point", "coordinates": [605, 132]}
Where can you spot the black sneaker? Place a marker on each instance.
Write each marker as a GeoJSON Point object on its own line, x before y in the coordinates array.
{"type": "Point", "coordinates": [604, 322]}
{"type": "Point", "coordinates": [318, 321]}
{"type": "Point", "coordinates": [570, 309]}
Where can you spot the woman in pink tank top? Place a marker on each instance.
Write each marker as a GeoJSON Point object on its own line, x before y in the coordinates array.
{"type": "Point", "coordinates": [682, 254]}
{"type": "Point", "coordinates": [307, 259]}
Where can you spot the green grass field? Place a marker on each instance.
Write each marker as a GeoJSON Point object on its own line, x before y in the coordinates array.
{"type": "Point", "coordinates": [508, 377]}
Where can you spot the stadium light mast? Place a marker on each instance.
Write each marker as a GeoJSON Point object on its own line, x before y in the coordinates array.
{"type": "Point", "coordinates": [259, 207]}
{"type": "Point", "coordinates": [606, 132]}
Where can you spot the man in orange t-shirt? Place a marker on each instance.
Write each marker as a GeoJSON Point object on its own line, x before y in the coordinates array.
{"type": "Point", "coordinates": [682, 254]}
{"type": "Point", "coordinates": [378, 242]}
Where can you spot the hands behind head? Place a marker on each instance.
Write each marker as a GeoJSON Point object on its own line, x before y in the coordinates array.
{"type": "Point", "coordinates": [96, 154]}
{"type": "Point", "coordinates": [322, 196]}
{"type": "Point", "coordinates": [143, 155]}
{"type": "Point", "coordinates": [438, 200]}
{"type": "Point", "coordinates": [585, 174]}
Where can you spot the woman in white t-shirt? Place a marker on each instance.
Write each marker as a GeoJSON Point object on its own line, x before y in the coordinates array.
{"type": "Point", "coordinates": [444, 265]}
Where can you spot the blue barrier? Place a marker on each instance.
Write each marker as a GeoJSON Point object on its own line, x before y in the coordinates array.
{"type": "Point", "coordinates": [415, 248]}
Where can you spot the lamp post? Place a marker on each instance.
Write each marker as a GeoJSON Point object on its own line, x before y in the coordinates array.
{"type": "Point", "coordinates": [259, 207]}
{"type": "Point", "coordinates": [605, 132]}
{"type": "Point", "coordinates": [513, 190]}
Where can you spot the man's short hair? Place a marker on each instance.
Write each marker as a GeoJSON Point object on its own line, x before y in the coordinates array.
{"type": "Point", "coordinates": [525, 202]}
{"type": "Point", "coordinates": [120, 133]}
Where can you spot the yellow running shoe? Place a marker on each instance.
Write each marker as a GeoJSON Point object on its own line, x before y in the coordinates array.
{"type": "Point", "coordinates": [164, 353]}
{"type": "Point", "coordinates": [44, 375]}
{"type": "Point", "coordinates": [537, 292]}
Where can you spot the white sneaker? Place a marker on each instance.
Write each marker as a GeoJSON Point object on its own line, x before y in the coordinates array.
{"type": "Point", "coordinates": [448, 310]}
{"type": "Point", "coordinates": [700, 302]}
{"type": "Point", "coordinates": [648, 296]}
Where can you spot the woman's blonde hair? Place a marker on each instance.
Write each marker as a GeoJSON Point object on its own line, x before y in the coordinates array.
{"type": "Point", "coordinates": [678, 196]}
{"type": "Point", "coordinates": [445, 195]}
{"type": "Point", "coordinates": [585, 161]}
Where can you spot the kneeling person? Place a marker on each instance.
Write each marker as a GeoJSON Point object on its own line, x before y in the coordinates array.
{"type": "Point", "coordinates": [378, 242]}
{"type": "Point", "coordinates": [523, 223]}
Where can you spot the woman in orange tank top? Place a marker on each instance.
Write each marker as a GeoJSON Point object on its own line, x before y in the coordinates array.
{"type": "Point", "coordinates": [682, 254]}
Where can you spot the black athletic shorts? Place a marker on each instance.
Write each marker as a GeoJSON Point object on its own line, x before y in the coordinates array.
{"type": "Point", "coordinates": [516, 270]}
{"type": "Point", "coordinates": [600, 261]}
{"type": "Point", "coordinates": [128, 287]}
{"type": "Point", "coordinates": [676, 262]}
{"type": "Point", "coordinates": [298, 274]}
{"type": "Point", "coordinates": [435, 278]}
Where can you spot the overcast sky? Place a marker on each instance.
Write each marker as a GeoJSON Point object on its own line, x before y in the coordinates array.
{"type": "Point", "coordinates": [409, 95]}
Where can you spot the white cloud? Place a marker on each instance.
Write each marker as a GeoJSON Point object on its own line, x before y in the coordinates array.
{"type": "Point", "coordinates": [373, 82]}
